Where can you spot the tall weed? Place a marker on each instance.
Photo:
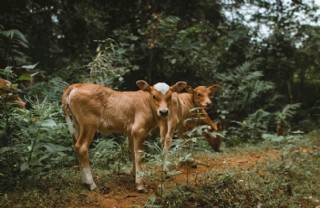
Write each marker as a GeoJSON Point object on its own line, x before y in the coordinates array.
{"type": "Point", "coordinates": [33, 141]}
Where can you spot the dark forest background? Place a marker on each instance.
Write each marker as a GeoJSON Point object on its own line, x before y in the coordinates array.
{"type": "Point", "coordinates": [265, 55]}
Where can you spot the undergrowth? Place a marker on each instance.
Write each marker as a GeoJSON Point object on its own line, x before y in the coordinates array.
{"type": "Point", "coordinates": [290, 181]}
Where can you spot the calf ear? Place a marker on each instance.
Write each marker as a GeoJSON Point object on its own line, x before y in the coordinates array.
{"type": "Point", "coordinates": [189, 89]}
{"type": "Point", "coordinates": [213, 88]}
{"type": "Point", "coordinates": [143, 85]}
{"type": "Point", "coordinates": [179, 86]}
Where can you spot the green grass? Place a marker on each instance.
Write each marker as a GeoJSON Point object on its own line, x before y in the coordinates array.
{"type": "Point", "coordinates": [56, 189]}
{"type": "Point", "coordinates": [291, 181]}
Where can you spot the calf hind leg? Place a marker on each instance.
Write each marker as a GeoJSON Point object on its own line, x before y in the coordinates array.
{"type": "Point", "coordinates": [82, 150]}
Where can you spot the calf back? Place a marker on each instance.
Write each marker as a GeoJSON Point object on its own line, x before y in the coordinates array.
{"type": "Point", "coordinates": [107, 110]}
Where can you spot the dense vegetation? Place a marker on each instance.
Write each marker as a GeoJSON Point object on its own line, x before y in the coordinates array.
{"type": "Point", "coordinates": [264, 55]}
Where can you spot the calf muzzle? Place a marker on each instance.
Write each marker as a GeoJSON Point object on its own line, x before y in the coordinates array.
{"type": "Point", "coordinates": [163, 112]}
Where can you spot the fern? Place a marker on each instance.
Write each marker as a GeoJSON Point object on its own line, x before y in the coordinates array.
{"type": "Point", "coordinates": [244, 87]}
{"type": "Point", "coordinates": [51, 90]}
{"type": "Point", "coordinates": [15, 34]}
{"type": "Point", "coordinates": [287, 112]}
{"type": "Point", "coordinates": [12, 44]}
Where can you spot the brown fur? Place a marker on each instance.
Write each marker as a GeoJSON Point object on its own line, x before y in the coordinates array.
{"type": "Point", "coordinates": [134, 113]}
{"type": "Point", "coordinates": [10, 94]}
{"type": "Point", "coordinates": [183, 119]}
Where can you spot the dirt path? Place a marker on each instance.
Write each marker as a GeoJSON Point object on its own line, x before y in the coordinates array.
{"type": "Point", "coordinates": [122, 192]}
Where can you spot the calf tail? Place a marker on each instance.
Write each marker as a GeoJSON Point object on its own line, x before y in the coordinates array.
{"type": "Point", "coordinates": [67, 112]}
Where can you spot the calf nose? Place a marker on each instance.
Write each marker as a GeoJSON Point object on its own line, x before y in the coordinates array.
{"type": "Point", "coordinates": [163, 112]}
{"type": "Point", "coordinates": [208, 104]}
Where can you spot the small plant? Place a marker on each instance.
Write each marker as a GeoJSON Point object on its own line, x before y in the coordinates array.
{"type": "Point", "coordinates": [282, 117]}
{"type": "Point", "coordinates": [109, 152]}
{"type": "Point", "coordinates": [109, 65]}
{"type": "Point", "coordinates": [158, 158]}
{"type": "Point", "coordinates": [254, 125]}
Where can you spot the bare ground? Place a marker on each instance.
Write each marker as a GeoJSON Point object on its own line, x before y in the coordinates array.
{"type": "Point", "coordinates": [121, 192]}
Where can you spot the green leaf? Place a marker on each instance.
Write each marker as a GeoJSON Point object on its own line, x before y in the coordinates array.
{"type": "Point", "coordinates": [24, 166]}
{"type": "Point", "coordinates": [194, 140]}
{"type": "Point", "coordinates": [4, 150]}
{"type": "Point", "coordinates": [152, 198]}
{"type": "Point", "coordinates": [49, 123]}
{"type": "Point", "coordinates": [25, 77]}
{"type": "Point", "coordinates": [272, 137]}
{"type": "Point", "coordinates": [189, 155]}
{"type": "Point", "coordinates": [53, 148]}
{"type": "Point", "coordinates": [173, 172]}
{"type": "Point", "coordinates": [14, 33]}
{"type": "Point", "coordinates": [29, 66]}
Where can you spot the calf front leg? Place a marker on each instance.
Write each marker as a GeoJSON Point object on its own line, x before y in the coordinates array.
{"type": "Point", "coordinates": [132, 154]}
{"type": "Point", "coordinates": [214, 142]}
{"type": "Point", "coordinates": [163, 132]}
{"type": "Point", "coordinates": [138, 140]}
{"type": "Point", "coordinates": [167, 145]}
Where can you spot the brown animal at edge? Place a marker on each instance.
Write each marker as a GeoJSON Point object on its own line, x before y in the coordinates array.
{"type": "Point", "coordinates": [89, 108]}
{"type": "Point", "coordinates": [9, 93]}
{"type": "Point", "coordinates": [184, 119]}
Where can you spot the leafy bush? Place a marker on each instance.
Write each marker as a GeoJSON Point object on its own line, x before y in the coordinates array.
{"type": "Point", "coordinates": [248, 108]}
{"type": "Point", "coordinates": [33, 141]}
{"type": "Point", "coordinates": [109, 152]}
{"type": "Point", "coordinates": [13, 42]}
{"type": "Point", "coordinates": [51, 90]}
{"type": "Point", "coordinates": [109, 64]}
{"type": "Point", "coordinates": [243, 91]}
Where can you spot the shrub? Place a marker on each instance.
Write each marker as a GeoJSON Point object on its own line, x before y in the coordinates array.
{"type": "Point", "coordinates": [33, 141]}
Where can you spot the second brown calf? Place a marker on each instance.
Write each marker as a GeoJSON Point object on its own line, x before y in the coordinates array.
{"type": "Point", "coordinates": [185, 118]}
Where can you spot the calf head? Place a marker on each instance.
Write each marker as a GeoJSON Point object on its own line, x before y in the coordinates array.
{"type": "Point", "coordinates": [8, 91]}
{"type": "Point", "coordinates": [161, 95]}
{"type": "Point", "coordinates": [202, 95]}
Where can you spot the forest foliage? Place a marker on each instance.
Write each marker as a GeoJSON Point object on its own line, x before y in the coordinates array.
{"type": "Point", "coordinates": [264, 55]}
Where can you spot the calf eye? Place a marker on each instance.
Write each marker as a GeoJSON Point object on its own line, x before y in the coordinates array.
{"type": "Point", "coordinates": [199, 95]}
{"type": "Point", "coordinates": [154, 97]}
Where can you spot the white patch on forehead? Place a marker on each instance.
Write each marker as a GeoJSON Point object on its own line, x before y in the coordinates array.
{"type": "Point", "coordinates": [162, 87]}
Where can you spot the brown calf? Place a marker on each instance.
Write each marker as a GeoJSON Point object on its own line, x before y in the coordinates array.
{"type": "Point", "coordinates": [185, 118]}
{"type": "Point", "coordinates": [9, 93]}
{"type": "Point", "coordinates": [89, 108]}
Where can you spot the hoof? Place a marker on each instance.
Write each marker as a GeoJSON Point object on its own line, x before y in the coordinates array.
{"type": "Point", "coordinates": [104, 190]}
{"type": "Point", "coordinates": [91, 187]}
{"type": "Point", "coordinates": [140, 188]}
{"type": "Point", "coordinates": [194, 165]}
{"type": "Point", "coordinates": [166, 174]}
